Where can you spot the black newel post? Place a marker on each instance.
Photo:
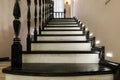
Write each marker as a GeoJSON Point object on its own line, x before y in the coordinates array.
{"type": "Point", "coordinates": [35, 20]}
{"type": "Point", "coordinates": [16, 50]}
{"type": "Point", "coordinates": [28, 26]}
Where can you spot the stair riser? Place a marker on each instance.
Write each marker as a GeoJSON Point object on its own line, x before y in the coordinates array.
{"type": "Point", "coordinates": [61, 22]}
{"type": "Point", "coordinates": [61, 46]}
{"type": "Point", "coordinates": [61, 28]}
{"type": "Point", "coordinates": [62, 32]}
{"type": "Point", "coordinates": [93, 77]}
{"type": "Point", "coordinates": [61, 38]}
{"type": "Point", "coordinates": [63, 25]}
{"type": "Point", "coordinates": [60, 58]}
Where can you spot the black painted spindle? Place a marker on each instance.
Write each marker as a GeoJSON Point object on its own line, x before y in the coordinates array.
{"type": "Point", "coordinates": [39, 16]}
{"type": "Point", "coordinates": [28, 26]}
{"type": "Point", "coordinates": [35, 20]}
{"type": "Point", "coordinates": [87, 35]}
{"type": "Point", "coordinates": [16, 49]}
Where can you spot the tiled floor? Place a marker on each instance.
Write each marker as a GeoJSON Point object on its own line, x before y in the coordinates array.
{"type": "Point", "coordinates": [3, 65]}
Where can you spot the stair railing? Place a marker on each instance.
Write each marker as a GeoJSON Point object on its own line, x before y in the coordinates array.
{"type": "Point", "coordinates": [59, 15]}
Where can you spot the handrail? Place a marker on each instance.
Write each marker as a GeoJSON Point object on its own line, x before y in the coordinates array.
{"type": "Point", "coordinates": [59, 14]}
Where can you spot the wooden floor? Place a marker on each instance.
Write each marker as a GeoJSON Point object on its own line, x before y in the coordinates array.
{"type": "Point", "coordinates": [3, 65]}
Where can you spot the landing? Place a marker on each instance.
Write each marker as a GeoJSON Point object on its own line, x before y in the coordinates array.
{"type": "Point", "coordinates": [48, 69]}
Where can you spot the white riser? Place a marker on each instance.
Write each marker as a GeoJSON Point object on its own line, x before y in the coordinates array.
{"type": "Point", "coordinates": [61, 22]}
{"type": "Point", "coordinates": [63, 25]}
{"type": "Point", "coordinates": [61, 28]}
{"type": "Point", "coordinates": [61, 38]}
{"type": "Point", "coordinates": [60, 58]}
{"type": "Point", "coordinates": [91, 77]}
{"type": "Point", "coordinates": [61, 46]}
{"type": "Point", "coordinates": [62, 32]}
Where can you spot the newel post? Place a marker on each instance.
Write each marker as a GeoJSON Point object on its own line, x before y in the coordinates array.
{"type": "Point", "coordinates": [16, 50]}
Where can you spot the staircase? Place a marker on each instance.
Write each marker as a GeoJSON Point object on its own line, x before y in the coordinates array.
{"type": "Point", "coordinates": [62, 50]}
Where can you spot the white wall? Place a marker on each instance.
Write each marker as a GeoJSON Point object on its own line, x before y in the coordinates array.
{"type": "Point", "coordinates": [103, 20]}
{"type": "Point", "coordinates": [58, 5]}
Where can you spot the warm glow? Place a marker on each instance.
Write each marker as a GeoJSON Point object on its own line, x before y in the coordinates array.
{"type": "Point", "coordinates": [91, 34]}
{"type": "Point", "coordinates": [67, 2]}
{"type": "Point", "coordinates": [97, 42]}
{"type": "Point", "coordinates": [109, 54]}
{"type": "Point", "coordinates": [83, 25]}
{"type": "Point", "coordinates": [86, 29]}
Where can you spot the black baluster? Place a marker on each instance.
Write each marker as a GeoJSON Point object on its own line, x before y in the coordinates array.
{"type": "Point", "coordinates": [16, 49]}
{"type": "Point", "coordinates": [64, 13]}
{"type": "Point", "coordinates": [87, 35]}
{"type": "Point", "coordinates": [28, 26]}
{"type": "Point", "coordinates": [39, 16]}
{"type": "Point", "coordinates": [42, 13]}
{"type": "Point", "coordinates": [35, 20]}
{"type": "Point", "coordinates": [93, 42]}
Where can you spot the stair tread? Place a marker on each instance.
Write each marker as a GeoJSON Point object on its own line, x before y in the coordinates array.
{"type": "Point", "coordinates": [60, 69]}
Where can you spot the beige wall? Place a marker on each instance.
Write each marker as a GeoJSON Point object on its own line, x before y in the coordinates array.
{"type": "Point", "coordinates": [6, 26]}
{"type": "Point", "coordinates": [103, 20]}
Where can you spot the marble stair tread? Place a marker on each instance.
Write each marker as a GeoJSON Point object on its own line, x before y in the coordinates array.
{"type": "Point", "coordinates": [59, 69]}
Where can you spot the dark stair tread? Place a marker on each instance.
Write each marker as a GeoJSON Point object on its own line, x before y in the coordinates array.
{"type": "Point", "coordinates": [59, 52]}
{"type": "Point", "coordinates": [59, 69]}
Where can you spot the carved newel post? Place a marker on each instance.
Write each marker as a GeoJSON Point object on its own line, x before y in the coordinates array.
{"type": "Point", "coordinates": [16, 50]}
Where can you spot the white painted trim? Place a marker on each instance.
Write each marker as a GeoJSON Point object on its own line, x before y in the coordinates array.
{"type": "Point", "coordinates": [62, 32]}
{"type": "Point", "coordinates": [61, 38]}
{"type": "Point", "coordinates": [63, 28]}
{"type": "Point", "coordinates": [91, 77]}
{"type": "Point", "coordinates": [60, 58]}
{"type": "Point", "coordinates": [61, 46]}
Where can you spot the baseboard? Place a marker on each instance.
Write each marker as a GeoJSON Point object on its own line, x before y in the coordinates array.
{"type": "Point", "coordinates": [5, 59]}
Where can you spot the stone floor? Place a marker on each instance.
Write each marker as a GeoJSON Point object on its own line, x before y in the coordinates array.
{"type": "Point", "coordinates": [3, 65]}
